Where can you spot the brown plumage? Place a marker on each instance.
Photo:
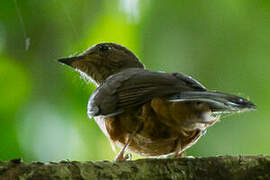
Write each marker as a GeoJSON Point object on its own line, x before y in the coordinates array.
{"type": "Point", "coordinates": [147, 112]}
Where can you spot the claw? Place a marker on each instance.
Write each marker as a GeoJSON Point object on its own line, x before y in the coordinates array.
{"type": "Point", "coordinates": [128, 156]}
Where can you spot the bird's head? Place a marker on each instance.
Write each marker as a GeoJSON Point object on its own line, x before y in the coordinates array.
{"type": "Point", "coordinates": [102, 60]}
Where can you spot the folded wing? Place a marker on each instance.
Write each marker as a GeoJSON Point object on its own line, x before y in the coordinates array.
{"type": "Point", "coordinates": [134, 87]}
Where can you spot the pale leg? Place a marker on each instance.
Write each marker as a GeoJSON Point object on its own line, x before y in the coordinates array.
{"type": "Point", "coordinates": [178, 149]}
{"type": "Point", "coordinates": [120, 155]}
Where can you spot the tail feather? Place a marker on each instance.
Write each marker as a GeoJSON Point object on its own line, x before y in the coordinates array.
{"type": "Point", "coordinates": [217, 101]}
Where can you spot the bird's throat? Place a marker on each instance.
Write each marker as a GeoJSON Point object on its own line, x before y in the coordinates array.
{"type": "Point", "coordinates": [95, 73]}
{"type": "Point", "coordinates": [98, 72]}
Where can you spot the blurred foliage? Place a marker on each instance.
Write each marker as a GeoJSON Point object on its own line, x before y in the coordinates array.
{"type": "Point", "coordinates": [223, 44]}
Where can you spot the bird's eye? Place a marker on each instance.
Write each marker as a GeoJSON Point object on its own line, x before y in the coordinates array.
{"type": "Point", "coordinates": [104, 48]}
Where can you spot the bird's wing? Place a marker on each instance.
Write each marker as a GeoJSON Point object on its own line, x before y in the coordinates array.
{"type": "Point", "coordinates": [218, 102]}
{"type": "Point", "coordinates": [134, 87]}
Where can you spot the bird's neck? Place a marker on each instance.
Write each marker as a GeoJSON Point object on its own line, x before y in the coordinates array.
{"type": "Point", "coordinates": [98, 73]}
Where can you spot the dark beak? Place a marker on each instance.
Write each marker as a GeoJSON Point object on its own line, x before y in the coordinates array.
{"type": "Point", "coordinates": [65, 61]}
{"type": "Point", "coordinates": [68, 61]}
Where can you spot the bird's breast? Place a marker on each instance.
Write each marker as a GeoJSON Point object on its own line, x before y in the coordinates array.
{"type": "Point", "coordinates": [158, 125]}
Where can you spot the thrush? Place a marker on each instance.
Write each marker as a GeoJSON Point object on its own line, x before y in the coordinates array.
{"type": "Point", "coordinates": [146, 112]}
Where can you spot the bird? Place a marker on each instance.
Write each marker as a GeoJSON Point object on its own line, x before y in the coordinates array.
{"type": "Point", "coordinates": [149, 113]}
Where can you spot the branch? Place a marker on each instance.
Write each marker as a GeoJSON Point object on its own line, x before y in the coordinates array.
{"type": "Point", "coordinates": [222, 167]}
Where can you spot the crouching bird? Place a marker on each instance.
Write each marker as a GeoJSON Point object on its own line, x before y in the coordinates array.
{"type": "Point", "coordinates": [147, 112]}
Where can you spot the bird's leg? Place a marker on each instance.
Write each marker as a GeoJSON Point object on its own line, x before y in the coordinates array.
{"type": "Point", "coordinates": [120, 155]}
{"type": "Point", "coordinates": [178, 149]}
{"type": "Point", "coordinates": [182, 154]}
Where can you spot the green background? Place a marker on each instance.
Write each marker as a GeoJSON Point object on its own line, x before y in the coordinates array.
{"type": "Point", "coordinates": [223, 44]}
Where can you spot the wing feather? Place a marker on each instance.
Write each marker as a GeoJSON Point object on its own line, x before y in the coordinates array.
{"type": "Point", "coordinates": [134, 87]}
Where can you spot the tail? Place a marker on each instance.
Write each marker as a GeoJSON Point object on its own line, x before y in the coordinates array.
{"type": "Point", "coordinates": [217, 101]}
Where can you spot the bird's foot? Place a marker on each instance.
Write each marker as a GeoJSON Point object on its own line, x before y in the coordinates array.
{"type": "Point", "coordinates": [180, 155]}
{"type": "Point", "coordinates": [121, 157]}
{"type": "Point", "coordinates": [128, 156]}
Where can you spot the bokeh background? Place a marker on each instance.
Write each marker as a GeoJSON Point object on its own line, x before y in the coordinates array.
{"type": "Point", "coordinates": [223, 44]}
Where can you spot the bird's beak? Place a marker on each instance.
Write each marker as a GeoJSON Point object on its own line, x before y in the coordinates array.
{"type": "Point", "coordinates": [70, 60]}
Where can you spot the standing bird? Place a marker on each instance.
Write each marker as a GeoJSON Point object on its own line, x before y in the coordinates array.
{"type": "Point", "coordinates": [147, 112]}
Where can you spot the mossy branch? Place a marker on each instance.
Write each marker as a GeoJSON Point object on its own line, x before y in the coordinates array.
{"type": "Point", "coordinates": [221, 167]}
